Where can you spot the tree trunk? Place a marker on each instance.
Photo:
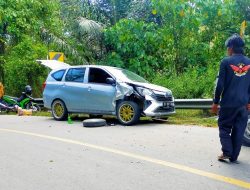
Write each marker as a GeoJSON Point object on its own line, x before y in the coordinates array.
{"type": "Point", "coordinates": [2, 52]}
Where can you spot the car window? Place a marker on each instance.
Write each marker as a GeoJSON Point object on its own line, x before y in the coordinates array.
{"type": "Point", "coordinates": [75, 75]}
{"type": "Point", "coordinates": [97, 75]}
{"type": "Point", "coordinates": [58, 75]}
{"type": "Point", "coordinates": [126, 75]}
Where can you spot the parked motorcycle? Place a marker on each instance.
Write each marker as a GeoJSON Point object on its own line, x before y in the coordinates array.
{"type": "Point", "coordinates": [25, 101]}
{"type": "Point", "coordinates": [4, 107]}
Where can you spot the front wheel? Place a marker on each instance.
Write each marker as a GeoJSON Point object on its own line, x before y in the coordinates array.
{"type": "Point", "coordinates": [128, 113]}
{"type": "Point", "coordinates": [59, 110]}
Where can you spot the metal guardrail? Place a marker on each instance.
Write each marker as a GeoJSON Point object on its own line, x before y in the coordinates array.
{"type": "Point", "coordinates": [179, 103]}
{"type": "Point", "coordinates": [193, 103]}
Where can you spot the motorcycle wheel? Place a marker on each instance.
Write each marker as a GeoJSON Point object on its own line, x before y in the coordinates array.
{"type": "Point", "coordinates": [34, 107]}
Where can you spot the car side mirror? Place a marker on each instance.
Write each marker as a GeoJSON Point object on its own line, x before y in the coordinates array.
{"type": "Point", "coordinates": [111, 81]}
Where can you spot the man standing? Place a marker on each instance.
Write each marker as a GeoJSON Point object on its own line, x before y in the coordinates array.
{"type": "Point", "coordinates": [233, 94]}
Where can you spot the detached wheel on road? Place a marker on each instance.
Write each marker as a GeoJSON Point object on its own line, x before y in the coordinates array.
{"type": "Point", "coordinates": [128, 113]}
{"type": "Point", "coordinates": [246, 138]}
{"type": "Point", "coordinates": [59, 110]}
{"type": "Point", "coordinates": [94, 123]}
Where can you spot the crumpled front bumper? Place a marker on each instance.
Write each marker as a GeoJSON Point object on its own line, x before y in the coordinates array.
{"type": "Point", "coordinates": [156, 108]}
{"type": "Point", "coordinates": [156, 105]}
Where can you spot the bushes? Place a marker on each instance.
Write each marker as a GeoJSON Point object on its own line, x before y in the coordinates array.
{"type": "Point", "coordinates": [194, 83]}
{"type": "Point", "coordinates": [150, 51]}
{"type": "Point", "coordinates": [21, 71]}
{"type": "Point", "coordinates": [181, 49]}
{"type": "Point", "coordinates": [134, 45]}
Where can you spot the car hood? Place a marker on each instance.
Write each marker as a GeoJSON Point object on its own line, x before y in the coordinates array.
{"type": "Point", "coordinates": [53, 64]}
{"type": "Point", "coordinates": [151, 86]}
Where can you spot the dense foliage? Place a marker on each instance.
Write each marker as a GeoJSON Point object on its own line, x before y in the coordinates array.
{"type": "Point", "coordinates": [21, 23]}
{"type": "Point", "coordinates": [174, 43]}
{"type": "Point", "coordinates": [180, 47]}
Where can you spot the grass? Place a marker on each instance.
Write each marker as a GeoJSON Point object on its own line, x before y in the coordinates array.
{"type": "Point", "coordinates": [182, 117]}
{"type": "Point", "coordinates": [193, 117]}
{"type": "Point", "coordinates": [42, 113]}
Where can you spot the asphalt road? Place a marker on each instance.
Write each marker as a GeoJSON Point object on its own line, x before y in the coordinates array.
{"type": "Point", "coordinates": [38, 153]}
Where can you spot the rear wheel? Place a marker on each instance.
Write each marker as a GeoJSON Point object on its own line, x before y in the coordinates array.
{"type": "Point", "coordinates": [128, 113]}
{"type": "Point", "coordinates": [34, 107]}
{"type": "Point", "coordinates": [59, 110]}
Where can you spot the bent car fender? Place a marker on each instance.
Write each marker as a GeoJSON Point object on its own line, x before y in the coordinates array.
{"type": "Point", "coordinates": [122, 90]}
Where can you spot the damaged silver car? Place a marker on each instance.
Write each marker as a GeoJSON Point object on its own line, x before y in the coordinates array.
{"type": "Point", "coordinates": [104, 90]}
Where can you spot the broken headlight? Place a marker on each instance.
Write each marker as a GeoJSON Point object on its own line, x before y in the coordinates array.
{"type": "Point", "coordinates": [144, 91]}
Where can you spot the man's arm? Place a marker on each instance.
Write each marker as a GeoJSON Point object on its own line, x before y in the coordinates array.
{"type": "Point", "coordinates": [220, 83]}
{"type": "Point", "coordinates": [219, 86]}
{"type": "Point", "coordinates": [248, 105]}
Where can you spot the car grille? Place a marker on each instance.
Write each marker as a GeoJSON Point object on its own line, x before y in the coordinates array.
{"type": "Point", "coordinates": [164, 109]}
{"type": "Point", "coordinates": [163, 98]}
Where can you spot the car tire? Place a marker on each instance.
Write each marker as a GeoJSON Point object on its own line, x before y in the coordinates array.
{"type": "Point", "coordinates": [94, 122]}
{"type": "Point", "coordinates": [59, 110]}
{"type": "Point", "coordinates": [128, 112]}
{"type": "Point", "coordinates": [246, 138]}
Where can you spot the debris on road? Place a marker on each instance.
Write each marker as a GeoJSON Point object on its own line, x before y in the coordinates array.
{"type": "Point", "coordinates": [24, 112]}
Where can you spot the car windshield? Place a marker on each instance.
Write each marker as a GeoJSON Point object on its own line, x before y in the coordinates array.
{"type": "Point", "coordinates": [126, 76]}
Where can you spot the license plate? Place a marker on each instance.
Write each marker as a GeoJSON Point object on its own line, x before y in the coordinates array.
{"type": "Point", "coordinates": [166, 104]}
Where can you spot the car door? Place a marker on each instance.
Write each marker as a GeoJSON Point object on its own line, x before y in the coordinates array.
{"type": "Point", "coordinates": [101, 96]}
{"type": "Point", "coordinates": [74, 89]}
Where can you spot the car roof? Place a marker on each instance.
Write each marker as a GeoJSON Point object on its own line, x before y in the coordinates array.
{"type": "Point", "coordinates": [90, 66]}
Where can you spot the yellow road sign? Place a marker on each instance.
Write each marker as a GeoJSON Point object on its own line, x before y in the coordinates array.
{"type": "Point", "coordinates": [243, 28]}
{"type": "Point", "coordinates": [59, 56]}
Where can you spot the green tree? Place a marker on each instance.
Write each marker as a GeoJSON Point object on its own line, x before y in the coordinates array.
{"type": "Point", "coordinates": [23, 70]}
{"type": "Point", "coordinates": [114, 10]}
{"type": "Point", "coordinates": [195, 30]}
{"type": "Point", "coordinates": [134, 45]}
{"type": "Point", "coordinates": [82, 33]}
{"type": "Point", "coordinates": [243, 8]}
{"type": "Point", "coordinates": [22, 21]}
{"type": "Point", "coordinates": [188, 37]}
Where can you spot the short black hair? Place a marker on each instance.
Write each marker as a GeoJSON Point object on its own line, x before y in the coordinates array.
{"type": "Point", "coordinates": [235, 42]}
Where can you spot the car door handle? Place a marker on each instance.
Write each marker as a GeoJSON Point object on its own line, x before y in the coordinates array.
{"type": "Point", "coordinates": [89, 88]}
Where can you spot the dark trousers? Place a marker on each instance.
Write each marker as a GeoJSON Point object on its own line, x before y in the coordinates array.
{"type": "Point", "coordinates": [232, 124]}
